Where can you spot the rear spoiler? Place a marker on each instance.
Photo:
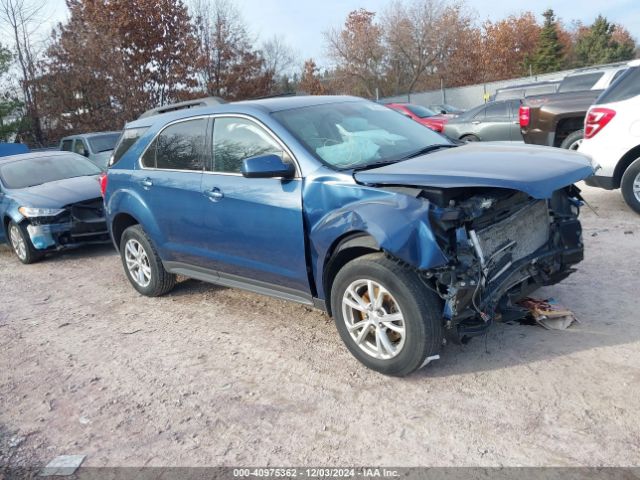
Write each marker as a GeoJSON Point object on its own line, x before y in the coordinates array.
{"type": "Point", "coordinates": [198, 102]}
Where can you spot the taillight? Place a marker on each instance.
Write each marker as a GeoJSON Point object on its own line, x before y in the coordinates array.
{"type": "Point", "coordinates": [103, 183]}
{"type": "Point", "coordinates": [596, 120]}
{"type": "Point", "coordinates": [524, 116]}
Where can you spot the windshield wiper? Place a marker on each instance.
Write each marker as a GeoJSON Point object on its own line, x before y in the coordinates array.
{"type": "Point", "coordinates": [381, 163]}
{"type": "Point", "coordinates": [428, 149]}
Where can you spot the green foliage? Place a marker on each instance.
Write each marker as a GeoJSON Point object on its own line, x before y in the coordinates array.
{"type": "Point", "coordinates": [598, 45]}
{"type": "Point", "coordinates": [9, 105]}
{"type": "Point", "coordinates": [548, 56]}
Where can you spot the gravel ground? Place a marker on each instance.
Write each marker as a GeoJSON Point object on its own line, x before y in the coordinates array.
{"type": "Point", "coordinates": [213, 376]}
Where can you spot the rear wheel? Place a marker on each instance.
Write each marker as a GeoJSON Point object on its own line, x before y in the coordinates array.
{"type": "Point", "coordinates": [21, 244]}
{"type": "Point", "coordinates": [469, 138]}
{"type": "Point", "coordinates": [630, 186]}
{"type": "Point", "coordinates": [142, 264]}
{"type": "Point", "coordinates": [573, 140]}
{"type": "Point", "coordinates": [385, 315]}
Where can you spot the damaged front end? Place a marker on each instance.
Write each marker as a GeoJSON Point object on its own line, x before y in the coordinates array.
{"type": "Point", "coordinates": [502, 245]}
{"type": "Point", "coordinates": [77, 224]}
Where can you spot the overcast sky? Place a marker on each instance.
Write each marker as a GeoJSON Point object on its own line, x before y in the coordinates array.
{"type": "Point", "coordinates": [302, 22]}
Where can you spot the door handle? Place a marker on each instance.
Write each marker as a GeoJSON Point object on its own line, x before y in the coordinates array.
{"type": "Point", "coordinates": [146, 183]}
{"type": "Point", "coordinates": [516, 122]}
{"type": "Point", "coordinates": [214, 194]}
{"type": "Point", "coordinates": [476, 122]}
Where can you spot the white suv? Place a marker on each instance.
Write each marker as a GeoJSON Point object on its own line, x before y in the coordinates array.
{"type": "Point", "coordinates": [612, 136]}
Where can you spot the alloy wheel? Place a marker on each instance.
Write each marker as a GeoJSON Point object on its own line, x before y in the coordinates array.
{"type": "Point", "coordinates": [636, 187]}
{"type": "Point", "coordinates": [373, 319]}
{"type": "Point", "coordinates": [137, 262]}
{"type": "Point", "coordinates": [17, 242]}
{"type": "Point", "coordinates": [575, 145]}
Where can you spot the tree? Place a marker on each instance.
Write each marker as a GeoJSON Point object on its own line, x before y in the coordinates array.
{"type": "Point", "coordinates": [10, 106]}
{"type": "Point", "coordinates": [359, 54]}
{"type": "Point", "coordinates": [113, 60]}
{"type": "Point", "coordinates": [421, 36]}
{"type": "Point", "coordinates": [603, 42]}
{"type": "Point", "coordinates": [229, 67]}
{"type": "Point", "coordinates": [21, 19]}
{"type": "Point", "coordinates": [309, 81]}
{"type": "Point", "coordinates": [548, 56]}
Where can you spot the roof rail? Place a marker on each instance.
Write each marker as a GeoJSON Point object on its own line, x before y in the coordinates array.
{"type": "Point", "coordinates": [198, 102]}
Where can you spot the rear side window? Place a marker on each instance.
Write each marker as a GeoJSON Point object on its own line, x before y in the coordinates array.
{"type": "Point", "coordinates": [66, 145]}
{"type": "Point", "coordinates": [79, 147]}
{"type": "Point", "coordinates": [627, 86]}
{"type": "Point", "coordinates": [497, 110]}
{"type": "Point", "coordinates": [178, 147]}
{"type": "Point", "coordinates": [127, 139]}
{"type": "Point", "coordinates": [577, 83]}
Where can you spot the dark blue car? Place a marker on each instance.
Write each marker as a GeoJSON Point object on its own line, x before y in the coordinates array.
{"type": "Point", "coordinates": [49, 201]}
{"type": "Point", "coordinates": [402, 236]}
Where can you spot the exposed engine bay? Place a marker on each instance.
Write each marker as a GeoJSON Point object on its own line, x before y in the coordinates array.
{"type": "Point", "coordinates": [502, 245]}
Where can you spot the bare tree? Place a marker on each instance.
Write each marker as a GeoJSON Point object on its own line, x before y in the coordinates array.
{"type": "Point", "coordinates": [279, 57]}
{"type": "Point", "coordinates": [21, 19]}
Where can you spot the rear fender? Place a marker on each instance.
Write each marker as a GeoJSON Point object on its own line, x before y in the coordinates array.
{"type": "Point", "coordinates": [131, 203]}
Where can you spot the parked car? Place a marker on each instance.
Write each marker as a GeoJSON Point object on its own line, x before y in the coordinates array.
{"type": "Point", "coordinates": [49, 201]}
{"type": "Point", "coordinates": [524, 90]}
{"type": "Point", "coordinates": [97, 147]}
{"type": "Point", "coordinates": [421, 114]}
{"type": "Point", "coordinates": [403, 236]}
{"type": "Point", "coordinates": [557, 120]}
{"type": "Point", "coordinates": [612, 137]}
{"type": "Point", "coordinates": [489, 122]}
{"type": "Point", "coordinates": [7, 148]}
{"type": "Point", "coordinates": [446, 109]}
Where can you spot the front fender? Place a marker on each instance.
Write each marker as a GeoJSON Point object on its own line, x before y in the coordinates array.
{"type": "Point", "coordinates": [398, 222]}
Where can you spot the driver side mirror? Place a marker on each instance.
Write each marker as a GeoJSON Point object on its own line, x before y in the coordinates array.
{"type": "Point", "coordinates": [267, 166]}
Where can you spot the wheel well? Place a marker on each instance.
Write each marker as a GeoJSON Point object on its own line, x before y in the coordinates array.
{"type": "Point", "coordinates": [626, 160]}
{"type": "Point", "coordinates": [119, 225]}
{"type": "Point", "coordinates": [347, 248]}
{"type": "Point", "coordinates": [567, 126]}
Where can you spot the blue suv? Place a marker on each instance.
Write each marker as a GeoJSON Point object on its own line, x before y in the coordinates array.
{"type": "Point", "coordinates": [404, 237]}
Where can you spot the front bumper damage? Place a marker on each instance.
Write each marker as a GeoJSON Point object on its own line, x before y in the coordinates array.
{"type": "Point", "coordinates": [502, 250]}
{"type": "Point", "coordinates": [81, 224]}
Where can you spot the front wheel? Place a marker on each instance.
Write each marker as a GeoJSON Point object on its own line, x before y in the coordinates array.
{"type": "Point", "coordinates": [630, 186]}
{"type": "Point", "coordinates": [143, 265]}
{"type": "Point", "coordinates": [21, 244]}
{"type": "Point", "coordinates": [386, 316]}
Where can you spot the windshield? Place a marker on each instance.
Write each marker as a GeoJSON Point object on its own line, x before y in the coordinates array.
{"type": "Point", "coordinates": [103, 143]}
{"type": "Point", "coordinates": [420, 111]}
{"type": "Point", "coordinates": [35, 171]}
{"type": "Point", "coordinates": [355, 134]}
{"type": "Point", "coordinates": [625, 87]}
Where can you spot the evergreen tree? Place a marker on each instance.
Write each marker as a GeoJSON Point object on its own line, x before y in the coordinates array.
{"type": "Point", "coordinates": [599, 45]}
{"type": "Point", "coordinates": [548, 56]}
{"type": "Point", "coordinates": [10, 106]}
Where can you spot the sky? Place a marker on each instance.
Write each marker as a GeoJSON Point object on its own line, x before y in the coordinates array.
{"type": "Point", "coordinates": [302, 22]}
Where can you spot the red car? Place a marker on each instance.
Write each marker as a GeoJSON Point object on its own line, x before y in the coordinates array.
{"type": "Point", "coordinates": [421, 114]}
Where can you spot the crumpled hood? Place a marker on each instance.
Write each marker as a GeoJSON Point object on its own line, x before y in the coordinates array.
{"type": "Point", "coordinates": [537, 171]}
{"type": "Point", "coordinates": [59, 194]}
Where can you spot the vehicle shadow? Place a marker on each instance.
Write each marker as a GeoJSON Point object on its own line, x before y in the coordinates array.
{"type": "Point", "coordinates": [79, 253]}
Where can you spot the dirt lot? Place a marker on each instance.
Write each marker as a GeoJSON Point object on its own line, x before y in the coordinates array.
{"type": "Point", "coordinates": [214, 376]}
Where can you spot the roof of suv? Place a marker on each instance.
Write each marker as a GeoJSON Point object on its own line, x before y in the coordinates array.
{"type": "Point", "coordinates": [266, 105]}
{"type": "Point", "coordinates": [89, 135]}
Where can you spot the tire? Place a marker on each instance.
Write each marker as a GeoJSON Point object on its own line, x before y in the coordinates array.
{"type": "Point", "coordinates": [469, 138]}
{"type": "Point", "coordinates": [416, 309]}
{"type": "Point", "coordinates": [630, 186]}
{"type": "Point", "coordinates": [21, 244]}
{"type": "Point", "coordinates": [142, 265]}
{"type": "Point", "coordinates": [573, 140]}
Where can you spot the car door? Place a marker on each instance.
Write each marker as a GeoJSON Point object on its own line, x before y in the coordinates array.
{"type": "Point", "coordinates": [255, 231]}
{"type": "Point", "coordinates": [169, 182]}
{"type": "Point", "coordinates": [515, 135]}
{"type": "Point", "coordinates": [495, 126]}
{"type": "Point", "coordinates": [4, 207]}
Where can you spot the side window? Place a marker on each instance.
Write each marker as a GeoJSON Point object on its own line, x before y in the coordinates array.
{"type": "Point", "coordinates": [628, 86]}
{"type": "Point", "coordinates": [127, 139]}
{"type": "Point", "coordinates": [235, 139]}
{"type": "Point", "coordinates": [79, 148]}
{"type": "Point", "coordinates": [66, 145]}
{"type": "Point", "coordinates": [178, 147]}
{"type": "Point", "coordinates": [497, 110]}
{"type": "Point", "coordinates": [480, 114]}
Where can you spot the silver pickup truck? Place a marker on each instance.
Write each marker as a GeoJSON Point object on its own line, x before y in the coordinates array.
{"type": "Point", "coordinates": [97, 147]}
